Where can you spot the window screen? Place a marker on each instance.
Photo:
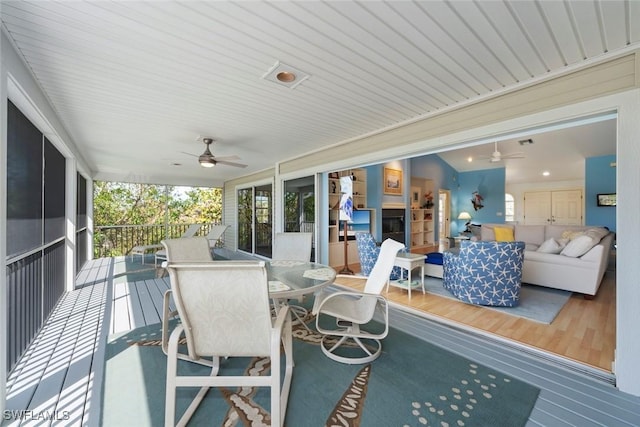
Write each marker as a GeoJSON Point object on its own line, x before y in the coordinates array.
{"type": "Point", "coordinates": [24, 183]}
{"type": "Point", "coordinates": [54, 192]}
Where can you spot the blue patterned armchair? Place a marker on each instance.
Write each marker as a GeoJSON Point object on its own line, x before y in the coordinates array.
{"type": "Point", "coordinates": [485, 272]}
{"type": "Point", "coordinates": [368, 252]}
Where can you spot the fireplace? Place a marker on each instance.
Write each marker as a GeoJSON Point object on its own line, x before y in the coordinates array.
{"type": "Point", "coordinates": [393, 224]}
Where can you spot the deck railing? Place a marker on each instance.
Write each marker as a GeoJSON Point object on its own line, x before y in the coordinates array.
{"type": "Point", "coordinates": [115, 240]}
{"type": "Point", "coordinates": [35, 282]}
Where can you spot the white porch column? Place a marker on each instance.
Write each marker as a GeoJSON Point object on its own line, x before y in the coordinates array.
{"type": "Point", "coordinates": [70, 221]}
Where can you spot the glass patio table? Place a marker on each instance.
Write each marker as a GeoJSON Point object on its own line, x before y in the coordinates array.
{"type": "Point", "coordinates": [294, 279]}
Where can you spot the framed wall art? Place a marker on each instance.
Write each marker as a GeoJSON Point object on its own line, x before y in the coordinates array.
{"type": "Point", "coordinates": [392, 181]}
{"type": "Point", "coordinates": [607, 199]}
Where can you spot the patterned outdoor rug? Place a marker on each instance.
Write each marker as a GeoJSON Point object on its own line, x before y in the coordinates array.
{"type": "Point", "coordinates": [413, 383]}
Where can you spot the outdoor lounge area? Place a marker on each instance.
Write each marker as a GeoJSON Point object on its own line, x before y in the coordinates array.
{"type": "Point", "coordinates": [70, 380]}
{"type": "Point", "coordinates": [123, 124]}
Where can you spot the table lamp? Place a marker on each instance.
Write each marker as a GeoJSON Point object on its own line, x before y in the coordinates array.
{"type": "Point", "coordinates": [466, 216]}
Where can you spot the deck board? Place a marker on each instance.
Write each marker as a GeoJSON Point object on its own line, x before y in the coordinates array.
{"type": "Point", "coordinates": [120, 321]}
{"type": "Point", "coordinates": [70, 378]}
{"type": "Point", "coordinates": [149, 310]}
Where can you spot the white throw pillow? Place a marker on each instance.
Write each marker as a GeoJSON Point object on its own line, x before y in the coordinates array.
{"type": "Point", "coordinates": [550, 246]}
{"type": "Point", "coordinates": [597, 233]}
{"type": "Point", "coordinates": [579, 246]}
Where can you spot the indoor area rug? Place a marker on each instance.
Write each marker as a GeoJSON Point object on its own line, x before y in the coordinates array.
{"type": "Point", "coordinates": [413, 383]}
{"type": "Point", "coordinates": [536, 302]}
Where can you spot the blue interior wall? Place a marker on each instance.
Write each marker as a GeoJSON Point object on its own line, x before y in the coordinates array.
{"type": "Point", "coordinates": [600, 177]}
{"type": "Point", "coordinates": [444, 177]}
{"type": "Point", "coordinates": [490, 183]}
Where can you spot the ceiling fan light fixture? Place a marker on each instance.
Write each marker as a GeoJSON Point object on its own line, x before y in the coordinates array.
{"type": "Point", "coordinates": [206, 159]}
{"type": "Point", "coordinates": [206, 162]}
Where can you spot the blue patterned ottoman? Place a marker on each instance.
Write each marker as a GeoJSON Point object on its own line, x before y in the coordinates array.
{"type": "Point", "coordinates": [433, 264]}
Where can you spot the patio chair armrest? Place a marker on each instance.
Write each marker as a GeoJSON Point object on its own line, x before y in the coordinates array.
{"type": "Point", "coordinates": [282, 323]}
{"type": "Point", "coordinates": [283, 316]}
{"type": "Point", "coordinates": [322, 298]}
{"type": "Point", "coordinates": [166, 314]}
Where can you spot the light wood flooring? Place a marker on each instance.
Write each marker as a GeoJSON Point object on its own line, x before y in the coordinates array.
{"type": "Point", "coordinates": [584, 330]}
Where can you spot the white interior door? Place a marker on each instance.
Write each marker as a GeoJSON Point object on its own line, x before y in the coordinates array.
{"type": "Point", "coordinates": [561, 207]}
{"type": "Point", "coordinates": [444, 213]}
{"type": "Point", "coordinates": [566, 207]}
{"type": "Point", "coordinates": [537, 208]}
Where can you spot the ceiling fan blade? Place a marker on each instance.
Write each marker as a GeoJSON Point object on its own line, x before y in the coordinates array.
{"type": "Point", "coordinates": [226, 158]}
{"type": "Point", "coordinates": [190, 154]}
{"type": "Point", "coordinates": [223, 162]}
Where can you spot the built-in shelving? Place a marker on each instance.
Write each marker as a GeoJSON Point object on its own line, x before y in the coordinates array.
{"type": "Point", "coordinates": [422, 214]}
{"type": "Point", "coordinates": [359, 188]}
{"type": "Point", "coordinates": [421, 228]}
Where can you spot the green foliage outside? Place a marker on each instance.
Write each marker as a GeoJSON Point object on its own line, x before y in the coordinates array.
{"type": "Point", "coordinates": [128, 204]}
{"type": "Point", "coordinates": [293, 213]}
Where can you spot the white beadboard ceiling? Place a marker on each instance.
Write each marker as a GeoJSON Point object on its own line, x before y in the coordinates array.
{"type": "Point", "coordinates": [136, 82]}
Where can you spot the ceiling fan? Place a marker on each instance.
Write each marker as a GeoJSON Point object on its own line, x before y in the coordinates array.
{"type": "Point", "coordinates": [497, 156]}
{"type": "Point", "coordinates": [208, 160]}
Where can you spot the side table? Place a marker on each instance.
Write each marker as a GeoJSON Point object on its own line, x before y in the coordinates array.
{"type": "Point", "coordinates": [408, 261]}
{"type": "Point", "coordinates": [455, 240]}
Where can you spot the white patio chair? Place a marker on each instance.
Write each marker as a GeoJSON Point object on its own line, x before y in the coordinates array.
{"type": "Point", "coordinates": [292, 246]}
{"type": "Point", "coordinates": [143, 249]}
{"type": "Point", "coordinates": [353, 309]}
{"type": "Point", "coordinates": [190, 232]}
{"type": "Point", "coordinates": [215, 234]}
{"type": "Point", "coordinates": [191, 249]}
{"type": "Point", "coordinates": [224, 311]}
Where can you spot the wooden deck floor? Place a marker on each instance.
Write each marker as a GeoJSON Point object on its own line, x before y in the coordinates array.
{"type": "Point", "coordinates": [61, 373]}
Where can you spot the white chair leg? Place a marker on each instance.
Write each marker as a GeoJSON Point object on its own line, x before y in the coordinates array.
{"type": "Point", "coordinates": [193, 406]}
{"type": "Point", "coordinates": [172, 371]}
{"type": "Point", "coordinates": [370, 357]}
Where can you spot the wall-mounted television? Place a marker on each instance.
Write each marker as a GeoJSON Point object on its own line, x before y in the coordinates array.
{"type": "Point", "coordinates": [607, 199]}
{"type": "Point", "coordinates": [361, 222]}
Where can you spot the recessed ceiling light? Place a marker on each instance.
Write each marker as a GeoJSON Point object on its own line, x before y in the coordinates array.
{"type": "Point", "coordinates": [285, 75]}
{"type": "Point", "coordinates": [469, 159]}
{"type": "Point", "coordinates": [546, 173]}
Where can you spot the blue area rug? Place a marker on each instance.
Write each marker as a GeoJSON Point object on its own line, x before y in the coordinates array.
{"type": "Point", "coordinates": [536, 302]}
{"type": "Point", "coordinates": [413, 383]}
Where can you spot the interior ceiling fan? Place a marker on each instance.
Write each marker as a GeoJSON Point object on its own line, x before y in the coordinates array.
{"type": "Point", "coordinates": [208, 160]}
{"type": "Point", "coordinates": [497, 156]}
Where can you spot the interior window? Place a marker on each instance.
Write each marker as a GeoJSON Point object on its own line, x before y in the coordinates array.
{"type": "Point", "coordinates": [509, 207]}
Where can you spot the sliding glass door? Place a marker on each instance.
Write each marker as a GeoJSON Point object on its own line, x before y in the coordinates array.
{"type": "Point", "coordinates": [264, 219]}
{"type": "Point", "coordinates": [299, 207]}
{"type": "Point", "coordinates": [255, 219]}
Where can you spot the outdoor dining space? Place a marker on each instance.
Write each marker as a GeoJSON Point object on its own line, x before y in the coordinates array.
{"type": "Point", "coordinates": [99, 359]}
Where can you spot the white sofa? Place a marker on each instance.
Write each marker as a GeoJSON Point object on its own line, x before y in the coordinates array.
{"type": "Point", "coordinates": [581, 274]}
